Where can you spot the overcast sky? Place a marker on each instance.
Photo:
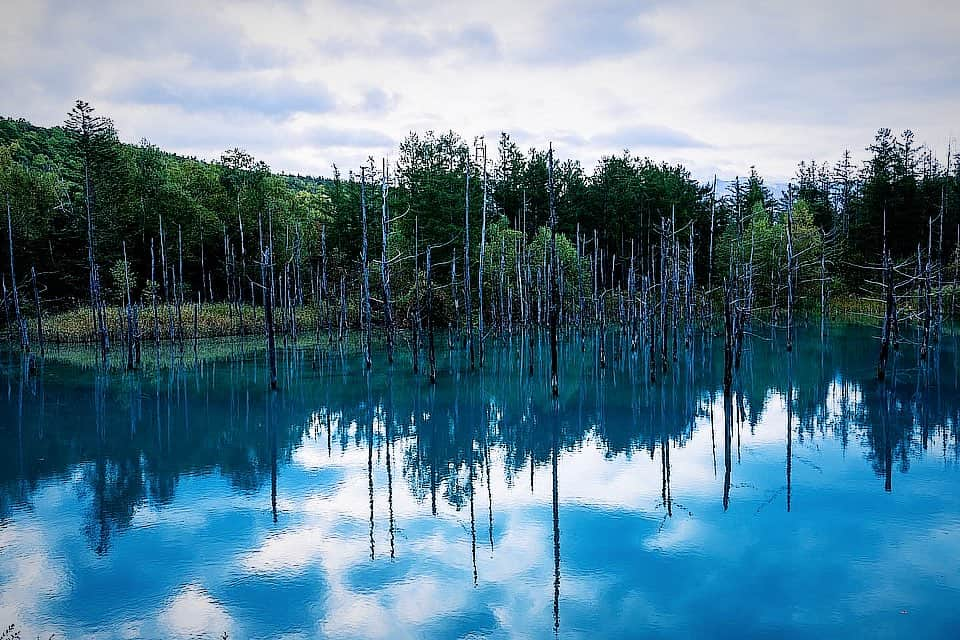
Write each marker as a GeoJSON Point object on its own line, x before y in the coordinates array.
{"type": "Point", "coordinates": [716, 85]}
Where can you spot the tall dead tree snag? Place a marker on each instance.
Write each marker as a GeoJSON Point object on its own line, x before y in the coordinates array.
{"type": "Point", "coordinates": [888, 316]}
{"type": "Point", "coordinates": [385, 264]}
{"type": "Point", "coordinates": [729, 336]}
{"type": "Point", "coordinates": [713, 215]}
{"type": "Point", "coordinates": [36, 303]}
{"type": "Point", "coordinates": [323, 305]}
{"type": "Point", "coordinates": [170, 289]}
{"type": "Point", "coordinates": [266, 282]}
{"type": "Point", "coordinates": [467, 294]}
{"type": "Point", "coordinates": [689, 293]}
{"type": "Point", "coordinates": [131, 332]}
{"type": "Point", "coordinates": [431, 352]}
{"type": "Point", "coordinates": [18, 312]}
{"type": "Point", "coordinates": [823, 285]}
{"type": "Point", "coordinates": [483, 243]}
{"type": "Point", "coordinates": [925, 304]}
{"type": "Point", "coordinates": [417, 320]}
{"type": "Point", "coordinates": [153, 295]}
{"type": "Point", "coordinates": [178, 286]}
{"type": "Point", "coordinates": [890, 311]}
{"type": "Point", "coordinates": [6, 307]}
{"type": "Point", "coordinates": [791, 268]}
{"type": "Point", "coordinates": [365, 265]}
{"type": "Point", "coordinates": [665, 252]}
{"type": "Point", "coordinates": [553, 278]}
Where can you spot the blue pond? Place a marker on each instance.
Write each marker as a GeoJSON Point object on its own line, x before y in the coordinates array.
{"type": "Point", "coordinates": [186, 500]}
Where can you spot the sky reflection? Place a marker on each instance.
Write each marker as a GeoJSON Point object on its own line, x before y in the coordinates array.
{"type": "Point", "coordinates": [196, 504]}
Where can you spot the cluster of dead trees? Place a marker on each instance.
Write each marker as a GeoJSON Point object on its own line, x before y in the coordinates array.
{"type": "Point", "coordinates": [544, 282]}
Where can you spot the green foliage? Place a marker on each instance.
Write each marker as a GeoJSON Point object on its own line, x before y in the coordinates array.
{"type": "Point", "coordinates": [501, 241]}
{"type": "Point", "coordinates": [763, 243]}
{"type": "Point", "coordinates": [120, 278]}
{"type": "Point", "coordinates": [215, 211]}
{"type": "Point", "coordinates": [538, 252]}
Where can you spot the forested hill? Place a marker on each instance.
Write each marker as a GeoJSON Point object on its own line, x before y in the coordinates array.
{"type": "Point", "coordinates": [52, 146]}
{"type": "Point", "coordinates": [135, 189]}
{"type": "Point", "coordinates": [201, 220]}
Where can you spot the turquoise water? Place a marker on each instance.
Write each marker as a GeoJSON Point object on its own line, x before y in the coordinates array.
{"type": "Point", "coordinates": [189, 501]}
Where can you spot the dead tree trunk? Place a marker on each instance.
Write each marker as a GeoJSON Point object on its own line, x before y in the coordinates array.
{"type": "Point", "coordinates": [823, 286]}
{"type": "Point", "coordinates": [178, 289]}
{"type": "Point", "coordinates": [467, 295]}
{"type": "Point", "coordinates": [888, 316]}
{"type": "Point", "coordinates": [415, 324]}
{"type": "Point", "coordinates": [385, 265]}
{"type": "Point", "coordinates": [167, 284]}
{"type": "Point", "coordinates": [728, 338]}
{"type": "Point", "coordinates": [483, 244]}
{"type": "Point", "coordinates": [431, 353]}
{"type": "Point", "coordinates": [581, 303]}
{"type": "Point", "coordinates": [925, 303]}
{"type": "Point", "coordinates": [790, 277]}
{"type": "Point", "coordinates": [196, 326]}
{"type": "Point", "coordinates": [675, 245]}
{"type": "Point", "coordinates": [342, 323]}
{"type": "Point", "coordinates": [153, 295]}
{"type": "Point", "coordinates": [99, 321]}
{"type": "Point", "coordinates": [365, 265]}
{"type": "Point", "coordinates": [554, 287]}
{"type": "Point", "coordinates": [938, 324]}
{"type": "Point", "coordinates": [502, 306]}
{"type": "Point", "coordinates": [6, 309]}
{"type": "Point", "coordinates": [713, 213]}
{"type": "Point", "coordinates": [457, 326]}
{"type": "Point", "coordinates": [664, 293]}
{"type": "Point", "coordinates": [130, 331]}
{"type": "Point", "coordinates": [324, 287]}
{"type": "Point", "coordinates": [36, 303]}
{"type": "Point", "coordinates": [266, 282]}
{"type": "Point", "coordinates": [21, 322]}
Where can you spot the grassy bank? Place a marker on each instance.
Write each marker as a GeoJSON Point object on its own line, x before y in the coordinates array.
{"type": "Point", "coordinates": [213, 320]}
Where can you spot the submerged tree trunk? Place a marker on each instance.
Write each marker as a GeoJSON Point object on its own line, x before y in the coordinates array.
{"type": "Point", "coordinates": [467, 295]}
{"type": "Point", "coordinates": [728, 337]}
{"type": "Point", "coordinates": [385, 266]}
{"type": "Point", "coordinates": [36, 303]}
{"type": "Point", "coordinates": [342, 323]}
{"type": "Point", "coordinates": [483, 243]}
{"type": "Point", "coordinates": [266, 282]}
{"type": "Point", "coordinates": [888, 317]}
{"type": "Point", "coordinates": [431, 353]}
{"type": "Point", "coordinates": [100, 325]}
{"type": "Point", "coordinates": [130, 331]}
{"type": "Point", "coordinates": [823, 285]}
{"type": "Point", "coordinates": [415, 325]}
{"type": "Point", "coordinates": [153, 296]}
{"type": "Point", "coordinates": [178, 289]}
{"type": "Point", "coordinates": [6, 308]}
{"type": "Point", "coordinates": [790, 277]}
{"type": "Point", "coordinates": [365, 265]}
{"type": "Point", "coordinates": [21, 321]}
{"type": "Point", "coordinates": [554, 287]}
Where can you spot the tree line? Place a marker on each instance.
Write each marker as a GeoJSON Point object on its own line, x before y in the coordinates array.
{"type": "Point", "coordinates": [472, 236]}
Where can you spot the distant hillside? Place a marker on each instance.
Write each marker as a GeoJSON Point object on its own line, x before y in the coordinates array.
{"type": "Point", "coordinates": [136, 188]}
{"type": "Point", "coordinates": [43, 147]}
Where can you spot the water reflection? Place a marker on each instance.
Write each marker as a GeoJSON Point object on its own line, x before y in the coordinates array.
{"type": "Point", "coordinates": [401, 471]}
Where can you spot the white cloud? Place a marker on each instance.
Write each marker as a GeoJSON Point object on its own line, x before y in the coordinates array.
{"type": "Point", "coordinates": [761, 85]}
{"type": "Point", "coordinates": [193, 613]}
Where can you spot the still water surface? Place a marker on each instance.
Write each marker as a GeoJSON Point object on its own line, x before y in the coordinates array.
{"type": "Point", "coordinates": [188, 501]}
